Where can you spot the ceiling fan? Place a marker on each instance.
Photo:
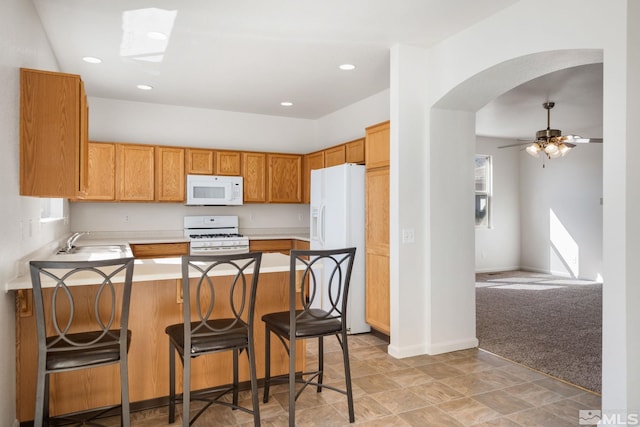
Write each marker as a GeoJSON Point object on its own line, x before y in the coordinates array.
{"type": "Point", "coordinates": [551, 142]}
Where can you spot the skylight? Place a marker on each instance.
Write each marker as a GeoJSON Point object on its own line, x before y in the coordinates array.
{"type": "Point", "coordinates": [146, 33]}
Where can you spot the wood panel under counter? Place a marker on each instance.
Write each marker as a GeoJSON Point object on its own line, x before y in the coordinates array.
{"type": "Point", "coordinates": [159, 250]}
{"type": "Point", "coordinates": [283, 245]}
{"type": "Point", "coordinates": [154, 305]}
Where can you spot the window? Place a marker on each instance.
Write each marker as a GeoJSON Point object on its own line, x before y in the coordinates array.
{"type": "Point", "coordinates": [51, 209]}
{"type": "Point", "coordinates": [483, 191]}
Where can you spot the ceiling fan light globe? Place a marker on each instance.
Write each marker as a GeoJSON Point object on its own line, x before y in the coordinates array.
{"type": "Point", "coordinates": [533, 150]}
{"type": "Point", "coordinates": [555, 154]}
{"type": "Point", "coordinates": [551, 148]}
{"type": "Point", "coordinates": [563, 149]}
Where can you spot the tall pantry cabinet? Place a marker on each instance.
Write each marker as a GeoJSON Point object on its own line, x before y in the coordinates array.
{"type": "Point", "coordinates": [377, 312]}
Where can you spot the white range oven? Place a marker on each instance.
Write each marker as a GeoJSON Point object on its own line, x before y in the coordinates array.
{"type": "Point", "coordinates": [214, 235]}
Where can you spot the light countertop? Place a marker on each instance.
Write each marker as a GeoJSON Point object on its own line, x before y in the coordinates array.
{"type": "Point", "coordinates": [278, 236]}
{"type": "Point", "coordinates": [276, 233]}
{"type": "Point", "coordinates": [178, 237]}
{"type": "Point", "coordinates": [146, 270]}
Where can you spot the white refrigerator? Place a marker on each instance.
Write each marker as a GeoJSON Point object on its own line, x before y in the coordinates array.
{"type": "Point", "coordinates": [337, 221]}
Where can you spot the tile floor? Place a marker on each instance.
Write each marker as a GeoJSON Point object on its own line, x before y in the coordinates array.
{"type": "Point", "coordinates": [463, 388]}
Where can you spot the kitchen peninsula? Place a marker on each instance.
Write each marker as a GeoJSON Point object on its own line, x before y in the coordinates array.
{"type": "Point", "coordinates": [155, 303]}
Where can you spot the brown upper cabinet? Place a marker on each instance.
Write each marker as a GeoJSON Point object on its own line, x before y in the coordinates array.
{"type": "Point", "coordinates": [334, 156]}
{"type": "Point", "coordinates": [135, 173]}
{"type": "Point", "coordinates": [228, 163]}
{"type": "Point", "coordinates": [101, 177]}
{"type": "Point", "coordinates": [56, 159]}
{"type": "Point", "coordinates": [53, 134]}
{"type": "Point", "coordinates": [132, 172]}
{"type": "Point", "coordinates": [310, 162]}
{"type": "Point", "coordinates": [199, 161]}
{"type": "Point", "coordinates": [169, 174]}
{"type": "Point", "coordinates": [377, 151]}
{"type": "Point", "coordinates": [254, 174]}
{"type": "Point", "coordinates": [349, 152]}
{"type": "Point", "coordinates": [284, 178]}
{"type": "Point", "coordinates": [354, 151]}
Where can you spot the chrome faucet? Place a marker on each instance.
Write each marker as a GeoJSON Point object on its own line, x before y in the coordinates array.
{"type": "Point", "coordinates": [72, 240]}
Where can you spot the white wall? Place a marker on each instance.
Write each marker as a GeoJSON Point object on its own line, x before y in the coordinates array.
{"type": "Point", "coordinates": [498, 247]}
{"type": "Point", "coordinates": [350, 122]}
{"type": "Point", "coordinates": [22, 44]}
{"type": "Point", "coordinates": [168, 216]}
{"type": "Point", "coordinates": [144, 123]}
{"type": "Point", "coordinates": [561, 222]}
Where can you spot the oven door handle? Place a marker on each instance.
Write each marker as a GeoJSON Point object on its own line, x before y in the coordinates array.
{"type": "Point", "coordinates": [220, 250]}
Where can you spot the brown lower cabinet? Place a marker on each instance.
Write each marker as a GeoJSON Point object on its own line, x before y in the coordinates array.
{"type": "Point", "coordinates": [159, 250]}
{"type": "Point", "coordinates": [277, 245]}
{"type": "Point", "coordinates": [154, 305]}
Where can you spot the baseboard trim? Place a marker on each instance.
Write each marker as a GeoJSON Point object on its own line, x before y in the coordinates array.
{"type": "Point", "coordinates": [446, 347]}
{"type": "Point", "coordinates": [497, 269]}
{"type": "Point", "coordinates": [403, 352]}
{"type": "Point", "coordinates": [432, 349]}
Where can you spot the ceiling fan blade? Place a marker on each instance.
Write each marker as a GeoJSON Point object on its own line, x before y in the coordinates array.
{"type": "Point", "coordinates": [577, 139]}
{"type": "Point", "coordinates": [516, 145]}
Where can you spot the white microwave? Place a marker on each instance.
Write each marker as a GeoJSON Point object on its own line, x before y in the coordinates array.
{"type": "Point", "coordinates": [212, 190]}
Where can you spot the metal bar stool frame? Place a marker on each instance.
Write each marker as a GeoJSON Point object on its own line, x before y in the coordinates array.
{"type": "Point", "coordinates": [309, 322]}
{"type": "Point", "coordinates": [207, 334]}
{"type": "Point", "coordinates": [67, 349]}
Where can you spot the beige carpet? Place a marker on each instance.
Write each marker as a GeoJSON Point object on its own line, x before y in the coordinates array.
{"type": "Point", "coordinates": [549, 323]}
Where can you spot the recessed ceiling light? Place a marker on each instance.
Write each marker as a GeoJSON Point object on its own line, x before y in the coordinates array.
{"type": "Point", "coordinates": [157, 35]}
{"type": "Point", "coordinates": [286, 103]}
{"type": "Point", "coordinates": [92, 60]}
{"type": "Point", "coordinates": [347, 67]}
{"type": "Point", "coordinates": [144, 87]}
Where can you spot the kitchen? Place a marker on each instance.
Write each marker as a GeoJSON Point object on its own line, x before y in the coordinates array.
{"type": "Point", "coordinates": [204, 233]}
{"type": "Point", "coordinates": [418, 204]}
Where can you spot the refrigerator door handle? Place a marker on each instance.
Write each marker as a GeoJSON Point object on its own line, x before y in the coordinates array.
{"type": "Point", "coordinates": [321, 225]}
{"type": "Point", "coordinates": [315, 212]}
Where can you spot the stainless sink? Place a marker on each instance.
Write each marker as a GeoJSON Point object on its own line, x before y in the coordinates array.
{"type": "Point", "coordinates": [100, 248]}
{"type": "Point", "coordinates": [94, 249]}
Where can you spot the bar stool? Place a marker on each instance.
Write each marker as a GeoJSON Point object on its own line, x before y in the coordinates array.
{"type": "Point", "coordinates": [80, 337]}
{"type": "Point", "coordinates": [218, 316]}
{"type": "Point", "coordinates": [322, 290]}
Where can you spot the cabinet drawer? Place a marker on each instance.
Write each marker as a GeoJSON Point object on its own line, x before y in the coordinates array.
{"type": "Point", "coordinates": [275, 245]}
{"type": "Point", "coordinates": [301, 245]}
{"type": "Point", "coordinates": [160, 250]}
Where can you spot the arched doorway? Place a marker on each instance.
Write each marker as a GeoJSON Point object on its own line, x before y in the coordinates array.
{"type": "Point", "coordinates": [446, 297]}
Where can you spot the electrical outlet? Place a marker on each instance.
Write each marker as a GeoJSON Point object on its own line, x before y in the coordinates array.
{"type": "Point", "coordinates": [125, 218]}
{"type": "Point", "coordinates": [300, 217]}
{"type": "Point", "coordinates": [408, 235]}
